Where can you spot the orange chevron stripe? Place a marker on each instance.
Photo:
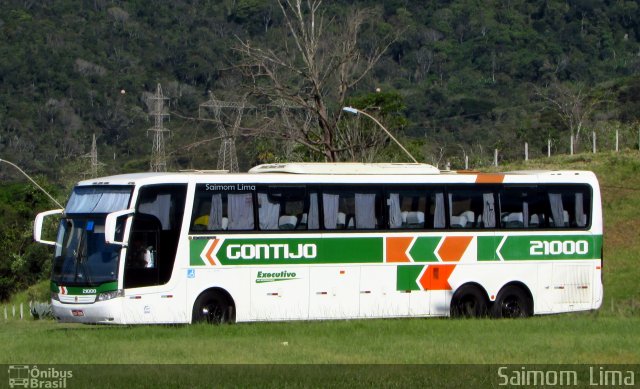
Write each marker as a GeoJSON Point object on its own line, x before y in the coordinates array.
{"type": "Point", "coordinates": [489, 178]}
{"type": "Point", "coordinates": [209, 254]}
{"type": "Point", "coordinates": [436, 277]}
{"type": "Point", "coordinates": [397, 249]}
{"type": "Point", "coordinates": [454, 247]}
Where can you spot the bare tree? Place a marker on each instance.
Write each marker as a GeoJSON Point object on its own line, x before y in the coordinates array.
{"type": "Point", "coordinates": [362, 140]}
{"type": "Point", "coordinates": [573, 105]}
{"type": "Point", "coordinates": [318, 63]}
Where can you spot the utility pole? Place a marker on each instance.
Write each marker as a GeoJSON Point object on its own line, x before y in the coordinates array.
{"type": "Point", "coordinates": [158, 154]}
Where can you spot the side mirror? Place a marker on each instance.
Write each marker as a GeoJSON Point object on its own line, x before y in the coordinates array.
{"type": "Point", "coordinates": [110, 226]}
{"type": "Point", "coordinates": [37, 226]}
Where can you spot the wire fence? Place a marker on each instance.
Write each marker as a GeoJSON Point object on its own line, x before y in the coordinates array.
{"type": "Point", "coordinates": [595, 141]}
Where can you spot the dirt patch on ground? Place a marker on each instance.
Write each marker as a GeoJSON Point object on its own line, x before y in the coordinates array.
{"type": "Point", "coordinates": [623, 234]}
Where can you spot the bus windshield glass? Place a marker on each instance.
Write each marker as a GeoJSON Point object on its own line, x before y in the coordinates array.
{"type": "Point", "coordinates": [98, 199]}
{"type": "Point", "coordinates": [82, 257]}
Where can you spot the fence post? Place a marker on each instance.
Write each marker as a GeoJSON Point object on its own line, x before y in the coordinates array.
{"type": "Point", "coordinates": [21, 312]}
{"type": "Point", "coordinates": [617, 140]}
{"type": "Point", "coordinates": [549, 148]}
{"type": "Point", "coordinates": [594, 141]}
{"type": "Point", "coordinates": [571, 147]}
{"type": "Point", "coordinates": [526, 151]}
{"type": "Point", "coordinates": [13, 311]}
{"type": "Point", "coordinates": [466, 162]}
{"type": "Point", "coordinates": [495, 157]}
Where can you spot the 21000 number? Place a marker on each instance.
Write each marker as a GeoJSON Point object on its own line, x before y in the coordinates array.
{"type": "Point", "coordinates": [557, 247]}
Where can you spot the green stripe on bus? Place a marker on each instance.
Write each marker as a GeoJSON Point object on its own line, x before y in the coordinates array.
{"type": "Point", "coordinates": [407, 276]}
{"type": "Point", "coordinates": [424, 248]}
{"type": "Point", "coordinates": [549, 247]}
{"type": "Point", "coordinates": [487, 246]}
{"type": "Point", "coordinates": [283, 251]}
{"type": "Point", "coordinates": [81, 290]}
{"type": "Point", "coordinates": [195, 249]}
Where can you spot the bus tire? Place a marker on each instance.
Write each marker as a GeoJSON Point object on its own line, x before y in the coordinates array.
{"type": "Point", "coordinates": [212, 307]}
{"type": "Point", "coordinates": [512, 302]}
{"type": "Point", "coordinates": [469, 301]}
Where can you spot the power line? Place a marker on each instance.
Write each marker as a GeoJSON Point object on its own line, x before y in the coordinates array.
{"type": "Point", "coordinates": [32, 181]}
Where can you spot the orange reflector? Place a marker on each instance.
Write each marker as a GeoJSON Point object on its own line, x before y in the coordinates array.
{"type": "Point", "coordinates": [598, 267]}
{"type": "Point", "coordinates": [341, 271]}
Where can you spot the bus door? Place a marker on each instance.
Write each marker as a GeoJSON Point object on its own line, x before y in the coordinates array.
{"type": "Point", "coordinates": [151, 253]}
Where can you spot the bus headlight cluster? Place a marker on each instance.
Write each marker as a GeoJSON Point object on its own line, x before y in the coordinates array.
{"type": "Point", "coordinates": [110, 295]}
{"type": "Point", "coordinates": [54, 296]}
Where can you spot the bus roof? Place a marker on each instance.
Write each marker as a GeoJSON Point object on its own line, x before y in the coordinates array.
{"type": "Point", "coordinates": [346, 168]}
{"type": "Point", "coordinates": [352, 172]}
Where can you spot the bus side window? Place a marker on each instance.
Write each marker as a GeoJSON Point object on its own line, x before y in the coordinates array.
{"type": "Point", "coordinates": [407, 209]}
{"type": "Point", "coordinates": [346, 209]}
{"type": "Point", "coordinates": [522, 207]}
{"type": "Point", "coordinates": [472, 208]}
{"type": "Point", "coordinates": [282, 208]}
{"type": "Point", "coordinates": [569, 206]}
{"type": "Point", "coordinates": [221, 211]}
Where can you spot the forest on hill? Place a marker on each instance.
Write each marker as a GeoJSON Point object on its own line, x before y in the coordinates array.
{"type": "Point", "coordinates": [448, 77]}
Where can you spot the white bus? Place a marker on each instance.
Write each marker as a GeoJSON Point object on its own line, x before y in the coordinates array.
{"type": "Point", "coordinates": [326, 241]}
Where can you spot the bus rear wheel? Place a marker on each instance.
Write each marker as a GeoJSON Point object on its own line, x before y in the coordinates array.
{"type": "Point", "coordinates": [213, 308]}
{"type": "Point", "coordinates": [512, 302]}
{"type": "Point", "coordinates": [469, 301]}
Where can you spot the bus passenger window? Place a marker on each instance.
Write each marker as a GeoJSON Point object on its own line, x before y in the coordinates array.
{"type": "Point", "coordinates": [282, 208]}
{"type": "Point", "coordinates": [522, 207]}
{"type": "Point", "coordinates": [569, 206]}
{"type": "Point", "coordinates": [471, 208]}
{"type": "Point", "coordinates": [416, 208]}
{"type": "Point", "coordinates": [345, 209]}
{"type": "Point", "coordinates": [407, 209]}
{"type": "Point", "coordinates": [221, 211]}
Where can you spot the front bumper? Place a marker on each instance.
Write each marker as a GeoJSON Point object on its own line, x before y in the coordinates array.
{"type": "Point", "coordinates": [101, 312]}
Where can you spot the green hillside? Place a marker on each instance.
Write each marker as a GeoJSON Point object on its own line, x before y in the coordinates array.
{"type": "Point", "coordinates": [467, 74]}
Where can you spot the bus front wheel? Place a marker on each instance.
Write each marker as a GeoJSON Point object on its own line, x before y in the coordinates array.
{"type": "Point", "coordinates": [512, 302]}
{"type": "Point", "coordinates": [212, 307]}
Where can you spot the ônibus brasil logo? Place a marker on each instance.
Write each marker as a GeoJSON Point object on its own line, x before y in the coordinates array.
{"type": "Point", "coordinates": [284, 275]}
{"type": "Point", "coordinates": [26, 376]}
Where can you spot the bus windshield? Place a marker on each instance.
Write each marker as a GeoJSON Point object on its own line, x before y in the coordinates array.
{"type": "Point", "coordinates": [82, 257]}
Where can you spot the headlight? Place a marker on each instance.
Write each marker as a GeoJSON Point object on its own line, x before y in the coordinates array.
{"type": "Point", "coordinates": [54, 296]}
{"type": "Point", "coordinates": [110, 295]}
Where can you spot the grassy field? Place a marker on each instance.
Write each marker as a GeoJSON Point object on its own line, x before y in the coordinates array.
{"type": "Point", "coordinates": [576, 338]}
{"type": "Point", "coordinates": [609, 335]}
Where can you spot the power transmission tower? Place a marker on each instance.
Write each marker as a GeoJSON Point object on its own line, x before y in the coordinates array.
{"type": "Point", "coordinates": [93, 158]}
{"type": "Point", "coordinates": [227, 156]}
{"type": "Point", "coordinates": [286, 111]}
{"type": "Point", "coordinates": [158, 155]}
